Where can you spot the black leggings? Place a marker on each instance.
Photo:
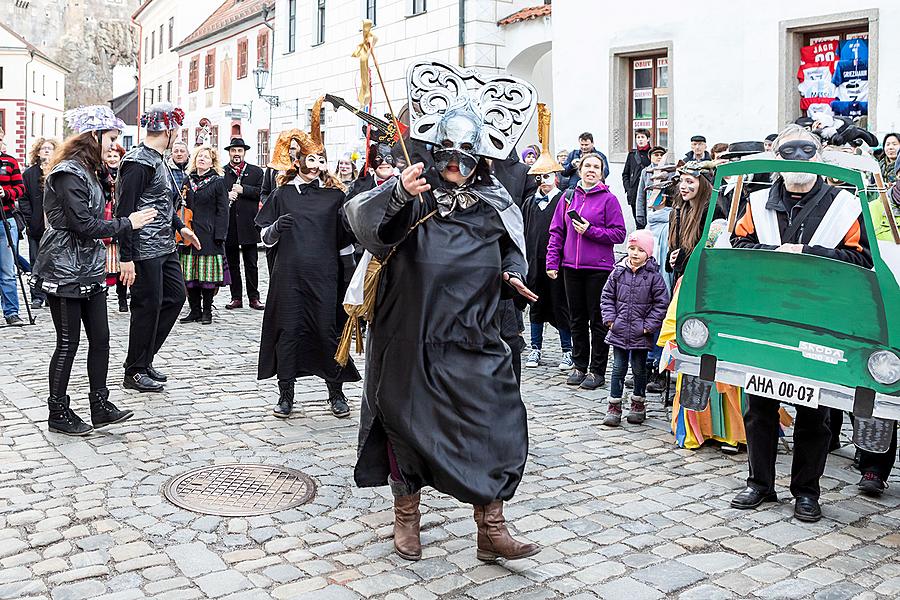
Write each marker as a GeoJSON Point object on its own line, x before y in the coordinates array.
{"type": "Point", "coordinates": [68, 315]}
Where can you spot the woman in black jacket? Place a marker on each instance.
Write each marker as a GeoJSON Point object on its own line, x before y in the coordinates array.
{"type": "Point", "coordinates": [206, 197]}
{"type": "Point", "coordinates": [32, 203]}
{"type": "Point", "coordinates": [71, 265]}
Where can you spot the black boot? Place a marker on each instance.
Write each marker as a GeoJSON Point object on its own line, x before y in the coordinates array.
{"type": "Point", "coordinates": [285, 404]}
{"type": "Point", "coordinates": [194, 315]}
{"type": "Point", "coordinates": [206, 315]}
{"type": "Point", "coordinates": [104, 412]}
{"type": "Point", "coordinates": [655, 382]}
{"type": "Point", "coordinates": [122, 294]}
{"type": "Point", "coordinates": [338, 401]}
{"type": "Point", "coordinates": [63, 420]}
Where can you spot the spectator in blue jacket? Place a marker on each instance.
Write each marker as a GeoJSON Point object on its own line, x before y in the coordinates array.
{"type": "Point", "coordinates": [586, 146]}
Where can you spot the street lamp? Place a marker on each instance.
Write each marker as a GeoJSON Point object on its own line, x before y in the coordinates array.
{"type": "Point", "coordinates": [261, 74]}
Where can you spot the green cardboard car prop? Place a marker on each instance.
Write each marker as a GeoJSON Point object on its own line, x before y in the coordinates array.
{"type": "Point", "coordinates": [798, 328]}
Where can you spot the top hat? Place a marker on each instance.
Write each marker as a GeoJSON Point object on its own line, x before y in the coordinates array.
{"type": "Point", "coordinates": [237, 143]}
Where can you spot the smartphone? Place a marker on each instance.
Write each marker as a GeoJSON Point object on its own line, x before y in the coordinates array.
{"type": "Point", "coordinates": [575, 216]}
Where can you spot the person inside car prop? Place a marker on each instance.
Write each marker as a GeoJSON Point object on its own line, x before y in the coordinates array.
{"type": "Point", "coordinates": [800, 213]}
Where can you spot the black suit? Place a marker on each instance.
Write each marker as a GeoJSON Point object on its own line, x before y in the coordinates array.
{"type": "Point", "coordinates": [243, 236]}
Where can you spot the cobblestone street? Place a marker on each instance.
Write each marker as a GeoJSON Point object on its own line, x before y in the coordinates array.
{"type": "Point", "coordinates": [621, 513]}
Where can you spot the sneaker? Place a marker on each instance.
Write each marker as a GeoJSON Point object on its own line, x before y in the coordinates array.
{"type": "Point", "coordinates": [566, 363]}
{"type": "Point", "coordinates": [613, 414]}
{"type": "Point", "coordinates": [592, 381]}
{"type": "Point", "coordinates": [575, 377]}
{"type": "Point", "coordinates": [14, 321]}
{"type": "Point", "coordinates": [871, 484]}
{"type": "Point", "coordinates": [534, 359]}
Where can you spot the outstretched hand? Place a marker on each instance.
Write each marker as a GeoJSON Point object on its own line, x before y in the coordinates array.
{"type": "Point", "coordinates": [520, 287]}
{"type": "Point", "coordinates": [412, 180]}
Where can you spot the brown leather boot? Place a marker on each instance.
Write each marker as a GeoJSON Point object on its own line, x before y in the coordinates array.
{"type": "Point", "coordinates": [494, 540]}
{"type": "Point", "coordinates": [406, 527]}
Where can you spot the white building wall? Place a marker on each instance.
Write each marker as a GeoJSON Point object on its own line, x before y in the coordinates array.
{"type": "Point", "coordinates": [32, 97]}
{"type": "Point", "coordinates": [162, 67]}
{"type": "Point", "coordinates": [299, 77]}
{"type": "Point", "coordinates": [210, 103]}
{"type": "Point", "coordinates": [724, 66]}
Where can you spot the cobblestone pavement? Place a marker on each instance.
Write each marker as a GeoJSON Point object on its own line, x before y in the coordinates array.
{"type": "Point", "coordinates": [621, 513]}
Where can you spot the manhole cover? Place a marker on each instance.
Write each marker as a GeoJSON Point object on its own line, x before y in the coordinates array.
{"type": "Point", "coordinates": [240, 490]}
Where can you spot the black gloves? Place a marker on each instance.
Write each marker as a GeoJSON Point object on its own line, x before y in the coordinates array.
{"type": "Point", "coordinates": [284, 223]}
{"type": "Point", "coordinates": [271, 233]}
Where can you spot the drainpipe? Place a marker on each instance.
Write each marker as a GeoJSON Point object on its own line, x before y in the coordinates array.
{"type": "Point", "coordinates": [30, 60]}
{"type": "Point", "coordinates": [462, 33]}
{"type": "Point", "coordinates": [140, 95]}
{"type": "Point", "coordinates": [265, 13]}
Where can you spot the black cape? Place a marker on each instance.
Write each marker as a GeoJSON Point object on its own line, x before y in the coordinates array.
{"type": "Point", "coordinates": [439, 379]}
{"type": "Point", "coordinates": [299, 331]}
{"type": "Point", "coordinates": [551, 306]}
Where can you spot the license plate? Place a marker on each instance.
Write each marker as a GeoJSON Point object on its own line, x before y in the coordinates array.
{"type": "Point", "coordinates": [785, 390]}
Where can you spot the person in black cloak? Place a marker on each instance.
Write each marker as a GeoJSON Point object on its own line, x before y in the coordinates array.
{"type": "Point", "coordinates": [304, 219]}
{"type": "Point", "coordinates": [441, 406]}
{"type": "Point", "coordinates": [552, 306]}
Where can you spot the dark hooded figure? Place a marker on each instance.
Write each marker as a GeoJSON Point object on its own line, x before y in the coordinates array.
{"type": "Point", "coordinates": [441, 405]}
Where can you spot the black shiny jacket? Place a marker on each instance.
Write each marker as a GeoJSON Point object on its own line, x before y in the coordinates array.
{"type": "Point", "coordinates": [71, 250]}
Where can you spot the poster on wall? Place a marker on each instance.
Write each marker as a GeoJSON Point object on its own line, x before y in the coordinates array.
{"type": "Point", "coordinates": [834, 76]}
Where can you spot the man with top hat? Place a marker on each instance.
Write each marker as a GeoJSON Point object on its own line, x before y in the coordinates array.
{"type": "Point", "coordinates": [244, 184]}
{"type": "Point", "coordinates": [148, 258]}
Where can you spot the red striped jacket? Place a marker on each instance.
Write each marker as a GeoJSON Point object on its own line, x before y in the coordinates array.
{"type": "Point", "coordinates": [12, 183]}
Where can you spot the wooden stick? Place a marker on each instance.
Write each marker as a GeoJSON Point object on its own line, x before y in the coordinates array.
{"type": "Point", "coordinates": [735, 201]}
{"type": "Point", "coordinates": [879, 181]}
{"type": "Point", "coordinates": [387, 97]}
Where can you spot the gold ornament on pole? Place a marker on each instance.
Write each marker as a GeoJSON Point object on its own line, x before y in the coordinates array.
{"type": "Point", "coordinates": [546, 162]}
{"type": "Point", "coordinates": [363, 51]}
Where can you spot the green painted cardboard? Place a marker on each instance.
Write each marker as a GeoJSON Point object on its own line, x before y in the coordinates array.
{"type": "Point", "coordinates": [763, 307]}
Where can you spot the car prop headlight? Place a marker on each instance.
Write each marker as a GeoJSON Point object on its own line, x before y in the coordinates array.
{"type": "Point", "coordinates": [884, 366]}
{"type": "Point", "coordinates": [694, 332]}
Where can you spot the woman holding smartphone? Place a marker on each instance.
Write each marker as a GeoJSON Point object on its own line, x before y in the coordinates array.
{"type": "Point", "coordinates": [584, 230]}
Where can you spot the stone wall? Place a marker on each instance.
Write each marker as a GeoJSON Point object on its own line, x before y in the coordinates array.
{"type": "Point", "coordinates": [88, 37]}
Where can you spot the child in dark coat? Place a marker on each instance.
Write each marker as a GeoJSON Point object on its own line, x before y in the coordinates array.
{"type": "Point", "coordinates": [633, 305]}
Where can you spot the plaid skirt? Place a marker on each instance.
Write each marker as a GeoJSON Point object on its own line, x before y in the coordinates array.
{"type": "Point", "coordinates": [203, 270]}
{"type": "Point", "coordinates": [112, 263]}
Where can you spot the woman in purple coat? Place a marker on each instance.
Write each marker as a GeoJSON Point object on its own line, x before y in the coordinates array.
{"type": "Point", "coordinates": [582, 247]}
{"type": "Point", "coordinates": [633, 304]}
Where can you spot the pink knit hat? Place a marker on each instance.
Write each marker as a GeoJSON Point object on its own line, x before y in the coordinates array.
{"type": "Point", "coordinates": [643, 239]}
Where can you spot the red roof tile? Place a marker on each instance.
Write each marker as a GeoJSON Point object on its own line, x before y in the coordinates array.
{"type": "Point", "coordinates": [231, 11]}
{"type": "Point", "coordinates": [532, 12]}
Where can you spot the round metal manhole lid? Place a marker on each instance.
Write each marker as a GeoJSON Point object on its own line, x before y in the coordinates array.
{"type": "Point", "coordinates": [238, 490]}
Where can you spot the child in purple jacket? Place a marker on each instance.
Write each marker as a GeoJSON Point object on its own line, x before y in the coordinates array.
{"type": "Point", "coordinates": [633, 305]}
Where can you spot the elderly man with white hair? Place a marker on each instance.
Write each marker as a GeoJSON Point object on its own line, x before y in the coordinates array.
{"type": "Point", "coordinates": [800, 213]}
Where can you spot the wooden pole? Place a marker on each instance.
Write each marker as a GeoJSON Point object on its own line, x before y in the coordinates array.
{"type": "Point", "coordinates": [735, 201]}
{"type": "Point", "coordinates": [387, 97]}
{"type": "Point", "coordinates": [879, 182]}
